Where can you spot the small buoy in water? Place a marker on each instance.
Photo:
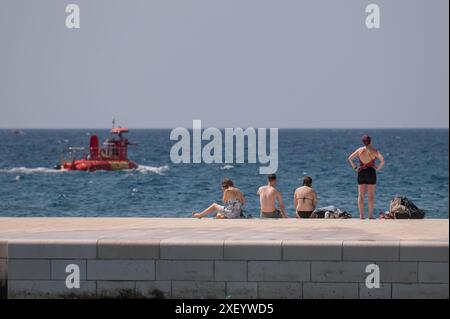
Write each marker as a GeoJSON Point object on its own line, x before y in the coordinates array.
{"type": "Point", "coordinates": [134, 190]}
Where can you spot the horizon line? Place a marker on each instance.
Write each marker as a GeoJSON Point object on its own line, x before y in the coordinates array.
{"type": "Point", "coordinates": [281, 128]}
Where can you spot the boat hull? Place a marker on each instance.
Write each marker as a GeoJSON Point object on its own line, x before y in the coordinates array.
{"type": "Point", "coordinates": [98, 165]}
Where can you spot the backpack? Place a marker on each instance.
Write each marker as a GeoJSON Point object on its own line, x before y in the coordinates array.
{"type": "Point", "coordinates": [402, 208]}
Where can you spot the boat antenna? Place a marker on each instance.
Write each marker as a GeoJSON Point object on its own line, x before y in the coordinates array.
{"type": "Point", "coordinates": [113, 122]}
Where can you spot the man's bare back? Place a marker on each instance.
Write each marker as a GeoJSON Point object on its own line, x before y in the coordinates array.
{"type": "Point", "coordinates": [267, 195]}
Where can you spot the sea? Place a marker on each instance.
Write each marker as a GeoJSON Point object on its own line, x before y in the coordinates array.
{"type": "Point", "coordinates": [417, 166]}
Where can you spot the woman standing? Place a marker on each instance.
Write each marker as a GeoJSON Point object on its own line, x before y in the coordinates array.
{"type": "Point", "coordinates": [367, 173]}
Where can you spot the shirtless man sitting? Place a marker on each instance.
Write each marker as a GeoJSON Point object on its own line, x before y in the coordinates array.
{"type": "Point", "coordinates": [267, 196]}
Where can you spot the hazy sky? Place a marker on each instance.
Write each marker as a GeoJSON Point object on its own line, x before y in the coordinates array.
{"type": "Point", "coordinates": [260, 63]}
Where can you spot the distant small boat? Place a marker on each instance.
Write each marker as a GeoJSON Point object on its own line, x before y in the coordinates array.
{"type": "Point", "coordinates": [112, 156]}
{"type": "Point", "coordinates": [17, 132]}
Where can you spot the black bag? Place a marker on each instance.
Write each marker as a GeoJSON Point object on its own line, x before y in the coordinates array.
{"type": "Point", "coordinates": [402, 208]}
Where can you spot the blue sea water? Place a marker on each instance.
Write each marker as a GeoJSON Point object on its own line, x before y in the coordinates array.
{"type": "Point", "coordinates": [416, 166]}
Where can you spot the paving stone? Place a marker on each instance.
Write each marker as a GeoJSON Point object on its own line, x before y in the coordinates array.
{"type": "Point", "coordinates": [433, 272]}
{"type": "Point", "coordinates": [42, 249]}
{"type": "Point", "coordinates": [29, 269]}
{"type": "Point", "coordinates": [184, 270]}
{"type": "Point", "coordinates": [279, 290]}
{"type": "Point", "coordinates": [420, 291]}
{"type": "Point", "coordinates": [329, 271]}
{"type": "Point", "coordinates": [371, 250]}
{"type": "Point", "coordinates": [118, 270]}
{"type": "Point", "coordinates": [192, 250]}
{"type": "Point", "coordinates": [278, 271]}
{"type": "Point", "coordinates": [128, 249]}
{"type": "Point", "coordinates": [230, 270]}
{"type": "Point", "coordinates": [424, 251]}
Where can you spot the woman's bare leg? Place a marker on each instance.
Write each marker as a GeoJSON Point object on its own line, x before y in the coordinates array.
{"type": "Point", "coordinates": [207, 211]}
{"type": "Point", "coordinates": [371, 199]}
{"type": "Point", "coordinates": [361, 193]}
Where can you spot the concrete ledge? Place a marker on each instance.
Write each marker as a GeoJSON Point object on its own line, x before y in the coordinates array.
{"type": "Point", "coordinates": [312, 250]}
{"type": "Point", "coordinates": [189, 258]}
{"type": "Point", "coordinates": [128, 249]}
{"type": "Point", "coordinates": [424, 251]}
{"type": "Point", "coordinates": [192, 249]}
{"type": "Point", "coordinates": [371, 250]}
{"type": "Point", "coordinates": [52, 249]}
{"type": "Point", "coordinates": [252, 249]}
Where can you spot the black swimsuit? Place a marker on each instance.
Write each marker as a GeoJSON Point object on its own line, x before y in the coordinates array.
{"type": "Point", "coordinates": [305, 213]}
{"type": "Point", "coordinates": [367, 175]}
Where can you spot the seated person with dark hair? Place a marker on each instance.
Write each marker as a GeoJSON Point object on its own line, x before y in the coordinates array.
{"type": "Point", "coordinates": [268, 194]}
{"type": "Point", "coordinates": [305, 198]}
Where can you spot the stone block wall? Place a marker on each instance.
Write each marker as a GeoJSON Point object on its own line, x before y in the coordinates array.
{"type": "Point", "coordinates": [223, 269]}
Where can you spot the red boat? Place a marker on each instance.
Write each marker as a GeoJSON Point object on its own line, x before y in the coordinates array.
{"type": "Point", "coordinates": [112, 156]}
